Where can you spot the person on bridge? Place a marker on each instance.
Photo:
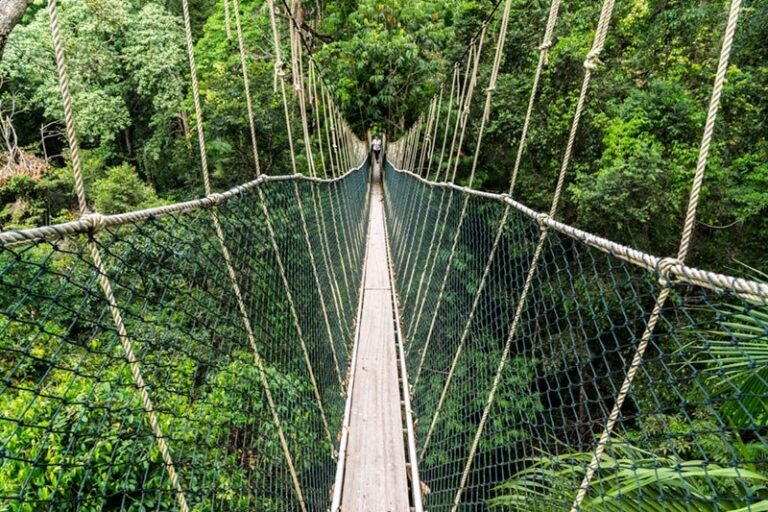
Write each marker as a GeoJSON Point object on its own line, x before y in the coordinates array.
{"type": "Point", "coordinates": [376, 148]}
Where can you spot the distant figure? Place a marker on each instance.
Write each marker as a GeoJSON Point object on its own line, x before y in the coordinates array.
{"type": "Point", "coordinates": [376, 147]}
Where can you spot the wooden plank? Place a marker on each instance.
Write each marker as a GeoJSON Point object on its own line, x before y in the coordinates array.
{"type": "Point", "coordinates": [375, 474]}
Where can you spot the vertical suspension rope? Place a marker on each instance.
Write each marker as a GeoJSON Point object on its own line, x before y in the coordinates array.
{"type": "Point", "coordinates": [283, 275]}
{"type": "Point", "coordinates": [227, 20]}
{"type": "Point", "coordinates": [416, 206]}
{"type": "Point", "coordinates": [246, 85]}
{"type": "Point", "coordinates": [420, 241]}
{"type": "Point", "coordinates": [685, 244]}
{"type": "Point", "coordinates": [300, 89]}
{"type": "Point", "coordinates": [227, 258]}
{"type": "Point", "coordinates": [95, 252]}
{"type": "Point", "coordinates": [543, 48]}
{"type": "Point", "coordinates": [462, 215]}
{"type": "Point", "coordinates": [590, 64]}
{"type": "Point", "coordinates": [465, 99]}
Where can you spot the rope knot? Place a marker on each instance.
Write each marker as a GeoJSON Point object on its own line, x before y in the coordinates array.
{"type": "Point", "coordinates": [280, 68]}
{"type": "Point", "coordinates": [664, 269]}
{"type": "Point", "coordinates": [593, 59]}
{"type": "Point", "coordinates": [95, 221]}
{"type": "Point", "coordinates": [216, 198]}
{"type": "Point", "coordinates": [542, 219]}
{"type": "Point", "coordinates": [491, 88]}
{"type": "Point", "coordinates": [544, 49]}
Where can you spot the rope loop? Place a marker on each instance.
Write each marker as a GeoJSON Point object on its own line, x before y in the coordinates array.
{"type": "Point", "coordinates": [664, 269]}
{"type": "Point", "coordinates": [542, 219]}
{"type": "Point", "coordinates": [216, 198]}
{"type": "Point", "coordinates": [545, 45]}
{"type": "Point", "coordinates": [280, 68]}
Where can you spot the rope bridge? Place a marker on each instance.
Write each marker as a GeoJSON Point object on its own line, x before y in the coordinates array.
{"type": "Point", "coordinates": [204, 355]}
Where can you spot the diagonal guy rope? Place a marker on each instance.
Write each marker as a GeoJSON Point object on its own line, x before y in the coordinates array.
{"type": "Point", "coordinates": [104, 281]}
{"type": "Point", "coordinates": [543, 48]}
{"type": "Point", "coordinates": [590, 65]}
{"type": "Point", "coordinates": [685, 243]}
{"type": "Point", "coordinates": [226, 255]}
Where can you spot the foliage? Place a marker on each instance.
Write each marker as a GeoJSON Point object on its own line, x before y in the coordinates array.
{"type": "Point", "coordinates": [631, 479]}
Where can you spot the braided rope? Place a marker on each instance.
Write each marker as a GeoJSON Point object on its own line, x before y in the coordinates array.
{"type": "Point", "coordinates": [454, 85]}
{"type": "Point", "coordinates": [666, 264]}
{"type": "Point", "coordinates": [227, 19]}
{"type": "Point", "coordinates": [551, 21]}
{"type": "Point", "coordinates": [275, 248]}
{"type": "Point", "coordinates": [433, 252]}
{"type": "Point", "coordinates": [597, 46]}
{"type": "Point", "coordinates": [246, 83]}
{"type": "Point", "coordinates": [417, 206]}
{"type": "Point", "coordinates": [227, 257]}
{"type": "Point", "coordinates": [95, 253]}
{"type": "Point", "coordinates": [463, 213]}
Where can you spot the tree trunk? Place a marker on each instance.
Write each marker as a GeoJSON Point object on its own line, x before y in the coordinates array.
{"type": "Point", "coordinates": [11, 12]}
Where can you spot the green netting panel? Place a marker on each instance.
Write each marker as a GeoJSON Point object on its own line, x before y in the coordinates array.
{"type": "Point", "coordinates": [74, 434]}
{"type": "Point", "coordinates": [691, 433]}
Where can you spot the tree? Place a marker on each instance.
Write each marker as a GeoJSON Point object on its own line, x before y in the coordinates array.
{"type": "Point", "coordinates": [11, 12]}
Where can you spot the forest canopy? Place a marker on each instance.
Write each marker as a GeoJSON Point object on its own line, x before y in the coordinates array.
{"type": "Point", "coordinates": [383, 61]}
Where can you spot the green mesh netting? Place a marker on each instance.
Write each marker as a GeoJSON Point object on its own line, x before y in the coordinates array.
{"type": "Point", "coordinates": [690, 436]}
{"type": "Point", "coordinates": [74, 434]}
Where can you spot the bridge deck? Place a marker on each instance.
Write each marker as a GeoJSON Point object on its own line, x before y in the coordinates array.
{"type": "Point", "coordinates": [375, 473]}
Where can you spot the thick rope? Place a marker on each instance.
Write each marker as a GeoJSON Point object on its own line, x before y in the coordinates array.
{"type": "Point", "coordinates": [481, 132]}
{"type": "Point", "coordinates": [246, 83]}
{"type": "Point", "coordinates": [590, 64]}
{"type": "Point", "coordinates": [283, 275]}
{"type": "Point", "coordinates": [551, 21]}
{"type": "Point", "coordinates": [465, 205]}
{"type": "Point", "coordinates": [227, 257]}
{"type": "Point", "coordinates": [465, 99]}
{"type": "Point", "coordinates": [327, 256]}
{"type": "Point", "coordinates": [93, 248]}
{"type": "Point", "coordinates": [227, 19]}
{"type": "Point", "coordinates": [685, 243]}
{"type": "Point", "coordinates": [299, 81]}
{"type": "Point", "coordinates": [416, 206]}
{"type": "Point", "coordinates": [420, 241]}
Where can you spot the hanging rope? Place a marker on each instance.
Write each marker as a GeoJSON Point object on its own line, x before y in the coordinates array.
{"type": "Point", "coordinates": [685, 243]}
{"type": "Point", "coordinates": [104, 281]}
{"type": "Point", "coordinates": [543, 48]}
{"type": "Point", "coordinates": [226, 255]}
{"type": "Point", "coordinates": [464, 101]}
{"type": "Point", "coordinates": [462, 215]}
{"type": "Point", "coordinates": [590, 65]}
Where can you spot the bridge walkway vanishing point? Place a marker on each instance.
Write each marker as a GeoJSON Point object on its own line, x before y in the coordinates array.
{"type": "Point", "coordinates": [373, 461]}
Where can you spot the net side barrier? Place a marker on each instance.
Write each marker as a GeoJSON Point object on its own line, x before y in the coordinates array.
{"type": "Point", "coordinates": [74, 432]}
{"type": "Point", "coordinates": [691, 432]}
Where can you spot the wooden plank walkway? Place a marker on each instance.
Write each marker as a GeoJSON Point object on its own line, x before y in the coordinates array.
{"type": "Point", "coordinates": [375, 473]}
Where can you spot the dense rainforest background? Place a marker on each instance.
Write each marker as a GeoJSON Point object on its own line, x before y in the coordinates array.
{"type": "Point", "coordinates": [383, 61]}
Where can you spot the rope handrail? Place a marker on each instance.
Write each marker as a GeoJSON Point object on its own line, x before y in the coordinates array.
{"type": "Point", "coordinates": [679, 272]}
{"type": "Point", "coordinates": [96, 222]}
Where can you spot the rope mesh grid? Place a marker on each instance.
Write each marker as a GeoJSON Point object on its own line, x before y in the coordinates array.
{"type": "Point", "coordinates": [691, 433]}
{"type": "Point", "coordinates": [72, 416]}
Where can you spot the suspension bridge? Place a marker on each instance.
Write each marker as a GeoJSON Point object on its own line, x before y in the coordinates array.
{"type": "Point", "coordinates": [363, 335]}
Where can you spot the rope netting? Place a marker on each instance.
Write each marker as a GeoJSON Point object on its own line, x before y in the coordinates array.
{"type": "Point", "coordinates": [74, 431]}
{"type": "Point", "coordinates": [690, 435]}
{"type": "Point", "coordinates": [551, 369]}
{"type": "Point", "coordinates": [190, 356]}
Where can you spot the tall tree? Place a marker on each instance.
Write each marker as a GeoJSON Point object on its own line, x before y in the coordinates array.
{"type": "Point", "coordinates": [11, 12]}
